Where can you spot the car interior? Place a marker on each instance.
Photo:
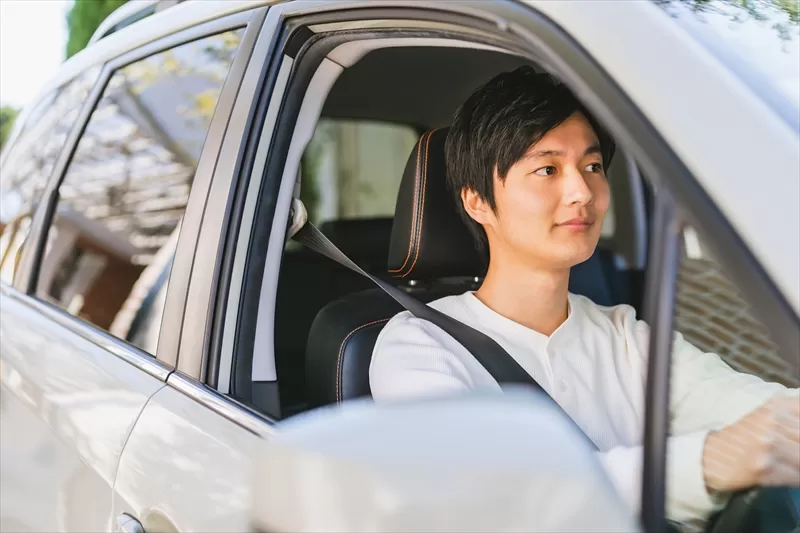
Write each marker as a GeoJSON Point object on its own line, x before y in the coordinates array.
{"type": "Point", "coordinates": [326, 317]}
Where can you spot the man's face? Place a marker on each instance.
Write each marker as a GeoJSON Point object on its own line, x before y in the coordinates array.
{"type": "Point", "coordinates": [550, 207]}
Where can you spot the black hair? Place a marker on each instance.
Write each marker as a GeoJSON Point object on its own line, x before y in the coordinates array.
{"type": "Point", "coordinates": [497, 124]}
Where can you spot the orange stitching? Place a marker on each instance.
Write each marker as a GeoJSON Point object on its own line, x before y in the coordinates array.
{"type": "Point", "coordinates": [414, 217]}
{"type": "Point", "coordinates": [422, 209]}
{"type": "Point", "coordinates": [341, 352]}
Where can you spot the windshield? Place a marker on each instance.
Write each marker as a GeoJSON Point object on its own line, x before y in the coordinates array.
{"type": "Point", "coordinates": [763, 34]}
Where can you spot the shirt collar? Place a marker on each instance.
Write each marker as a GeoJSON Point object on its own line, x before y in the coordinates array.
{"type": "Point", "coordinates": [505, 326]}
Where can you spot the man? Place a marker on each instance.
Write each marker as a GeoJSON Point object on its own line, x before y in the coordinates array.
{"type": "Point", "coordinates": [527, 163]}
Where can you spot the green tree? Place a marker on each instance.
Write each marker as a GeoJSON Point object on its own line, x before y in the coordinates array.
{"type": "Point", "coordinates": [760, 10]}
{"type": "Point", "coordinates": [7, 117]}
{"type": "Point", "coordinates": [84, 18]}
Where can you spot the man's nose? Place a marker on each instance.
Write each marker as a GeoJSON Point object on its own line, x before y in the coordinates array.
{"type": "Point", "coordinates": [576, 190]}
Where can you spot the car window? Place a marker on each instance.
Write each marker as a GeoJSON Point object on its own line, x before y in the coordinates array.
{"type": "Point", "coordinates": [127, 186]}
{"type": "Point", "coordinates": [725, 367]}
{"type": "Point", "coordinates": [713, 315]}
{"type": "Point", "coordinates": [352, 169]}
{"type": "Point", "coordinates": [29, 162]}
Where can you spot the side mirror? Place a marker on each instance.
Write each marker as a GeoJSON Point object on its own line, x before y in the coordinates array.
{"type": "Point", "coordinates": [481, 462]}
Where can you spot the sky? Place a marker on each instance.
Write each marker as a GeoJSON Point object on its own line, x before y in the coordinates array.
{"type": "Point", "coordinates": [24, 68]}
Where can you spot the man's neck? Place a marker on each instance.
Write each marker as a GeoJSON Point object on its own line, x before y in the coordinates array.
{"type": "Point", "coordinates": [535, 298]}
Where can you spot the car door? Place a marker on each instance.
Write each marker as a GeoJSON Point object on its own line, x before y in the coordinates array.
{"type": "Point", "coordinates": [81, 354]}
{"type": "Point", "coordinates": [70, 396]}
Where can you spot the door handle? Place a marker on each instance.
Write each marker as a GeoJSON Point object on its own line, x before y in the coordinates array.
{"type": "Point", "coordinates": [128, 524]}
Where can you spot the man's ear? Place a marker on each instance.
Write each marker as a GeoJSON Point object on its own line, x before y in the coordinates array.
{"type": "Point", "coordinates": [476, 207]}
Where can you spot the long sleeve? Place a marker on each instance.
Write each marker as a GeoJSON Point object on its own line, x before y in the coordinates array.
{"type": "Point", "coordinates": [706, 394]}
{"type": "Point", "coordinates": [687, 498]}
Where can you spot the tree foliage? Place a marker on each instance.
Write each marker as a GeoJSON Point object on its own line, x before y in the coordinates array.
{"type": "Point", "coordinates": [7, 117]}
{"type": "Point", "coordinates": [759, 10]}
{"type": "Point", "coordinates": [84, 18]}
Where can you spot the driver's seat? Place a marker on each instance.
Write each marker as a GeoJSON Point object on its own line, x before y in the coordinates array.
{"type": "Point", "coordinates": [431, 255]}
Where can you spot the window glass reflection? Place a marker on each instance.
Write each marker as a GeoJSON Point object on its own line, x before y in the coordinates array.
{"type": "Point", "coordinates": [28, 163]}
{"type": "Point", "coordinates": [127, 186]}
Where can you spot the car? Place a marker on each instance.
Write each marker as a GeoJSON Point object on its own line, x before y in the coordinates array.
{"type": "Point", "coordinates": [158, 320]}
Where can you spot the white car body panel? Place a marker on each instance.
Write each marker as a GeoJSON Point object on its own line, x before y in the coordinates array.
{"type": "Point", "coordinates": [186, 468]}
{"type": "Point", "coordinates": [67, 408]}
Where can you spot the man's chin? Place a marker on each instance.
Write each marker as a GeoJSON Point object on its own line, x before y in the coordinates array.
{"type": "Point", "coordinates": [578, 256]}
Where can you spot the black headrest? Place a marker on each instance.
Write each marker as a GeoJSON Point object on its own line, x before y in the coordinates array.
{"type": "Point", "coordinates": [429, 239]}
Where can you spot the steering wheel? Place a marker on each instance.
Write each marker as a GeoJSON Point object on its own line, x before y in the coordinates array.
{"type": "Point", "coordinates": [759, 510]}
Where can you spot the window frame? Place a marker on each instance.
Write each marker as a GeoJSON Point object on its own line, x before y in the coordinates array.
{"type": "Point", "coordinates": [33, 253]}
{"type": "Point", "coordinates": [294, 19]}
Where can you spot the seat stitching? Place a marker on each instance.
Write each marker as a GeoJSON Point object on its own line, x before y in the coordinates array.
{"type": "Point", "coordinates": [416, 197]}
{"type": "Point", "coordinates": [341, 353]}
{"type": "Point", "coordinates": [418, 239]}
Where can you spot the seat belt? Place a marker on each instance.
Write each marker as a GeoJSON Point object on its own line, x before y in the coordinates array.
{"type": "Point", "coordinates": [500, 365]}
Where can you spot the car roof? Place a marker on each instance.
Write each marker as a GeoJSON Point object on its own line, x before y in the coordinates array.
{"type": "Point", "coordinates": [127, 12]}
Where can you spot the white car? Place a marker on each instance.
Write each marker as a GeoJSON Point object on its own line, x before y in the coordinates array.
{"type": "Point", "coordinates": [158, 321]}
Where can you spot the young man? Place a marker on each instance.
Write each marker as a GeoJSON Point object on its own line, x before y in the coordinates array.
{"type": "Point", "coordinates": [527, 163]}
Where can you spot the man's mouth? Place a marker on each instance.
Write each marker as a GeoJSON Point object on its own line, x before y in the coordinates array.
{"type": "Point", "coordinates": [576, 224]}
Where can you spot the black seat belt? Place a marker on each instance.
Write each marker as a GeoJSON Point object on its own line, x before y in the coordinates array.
{"type": "Point", "coordinates": [500, 365]}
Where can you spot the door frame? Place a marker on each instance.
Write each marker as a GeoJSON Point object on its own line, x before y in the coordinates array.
{"type": "Point", "coordinates": [261, 151]}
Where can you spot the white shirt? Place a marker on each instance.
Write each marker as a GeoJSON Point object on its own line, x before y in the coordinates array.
{"type": "Point", "coordinates": [594, 367]}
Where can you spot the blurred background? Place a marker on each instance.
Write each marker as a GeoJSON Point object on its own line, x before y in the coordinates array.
{"type": "Point", "coordinates": [61, 28]}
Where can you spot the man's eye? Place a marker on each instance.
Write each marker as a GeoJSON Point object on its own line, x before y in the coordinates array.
{"type": "Point", "coordinates": [545, 171]}
{"type": "Point", "coordinates": [595, 167]}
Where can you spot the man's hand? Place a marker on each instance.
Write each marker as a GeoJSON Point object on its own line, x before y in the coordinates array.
{"type": "Point", "coordinates": [762, 448]}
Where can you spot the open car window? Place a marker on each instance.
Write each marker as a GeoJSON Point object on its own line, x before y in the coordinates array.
{"type": "Point", "coordinates": [726, 372]}
{"type": "Point", "coordinates": [712, 314]}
